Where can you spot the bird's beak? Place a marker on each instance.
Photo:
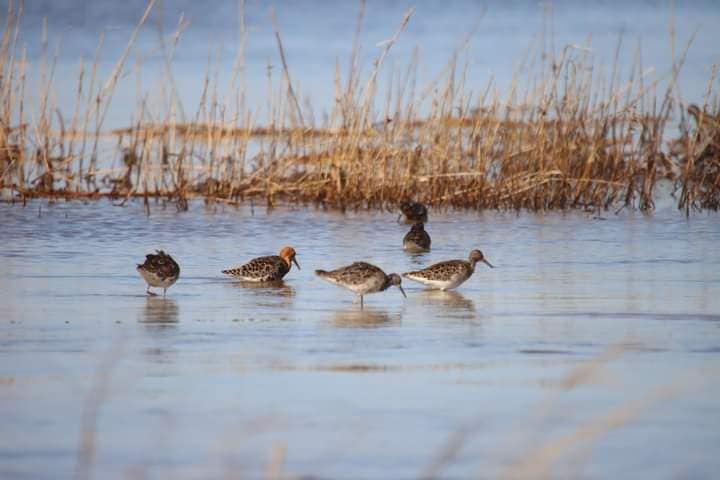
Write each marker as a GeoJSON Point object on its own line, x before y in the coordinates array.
{"type": "Point", "coordinates": [487, 263]}
{"type": "Point", "coordinates": [296, 263]}
{"type": "Point", "coordinates": [402, 291]}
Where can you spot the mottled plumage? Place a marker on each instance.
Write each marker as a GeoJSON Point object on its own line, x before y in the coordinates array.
{"type": "Point", "coordinates": [417, 239]}
{"type": "Point", "coordinates": [265, 269]}
{"type": "Point", "coordinates": [362, 278]}
{"type": "Point", "coordinates": [448, 274]}
{"type": "Point", "coordinates": [159, 270]}
{"type": "Point", "coordinates": [413, 212]}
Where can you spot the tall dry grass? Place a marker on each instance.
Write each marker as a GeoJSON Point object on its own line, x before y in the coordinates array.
{"type": "Point", "coordinates": [567, 135]}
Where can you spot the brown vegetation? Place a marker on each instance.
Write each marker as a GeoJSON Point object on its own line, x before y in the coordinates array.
{"type": "Point", "coordinates": [573, 137]}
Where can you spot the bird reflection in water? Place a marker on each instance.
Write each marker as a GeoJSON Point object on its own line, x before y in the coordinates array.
{"type": "Point", "coordinates": [453, 302]}
{"type": "Point", "coordinates": [367, 318]}
{"type": "Point", "coordinates": [160, 318]}
{"type": "Point", "coordinates": [160, 311]}
{"type": "Point", "coordinates": [417, 258]}
{"type": "Point", "coordinates": [266, 288]}
{"type": "Point", "coordinates": [270, 294]}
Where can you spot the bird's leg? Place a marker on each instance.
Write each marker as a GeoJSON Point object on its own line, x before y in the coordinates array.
{"type": "Point", "coordinates": [361, 302]}
{"type": "Point", "coordinates": [164, 290]}
{"type": "Point", "coordinates": [152, 294]}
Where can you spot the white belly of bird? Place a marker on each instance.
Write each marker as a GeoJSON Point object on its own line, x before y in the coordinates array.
{"type": "Point", "coordinates": [452, 282]}
{"type": "Point", "coordinates": [155, 281]}
{"type": "Point", "coordinates": [370, 286]}
{"type": "Point", "coordinates": [364, 289]}
{"type": "Point", "coordinates": [413, 247]}
{"type": "Point", "coordinates": [251, 279]}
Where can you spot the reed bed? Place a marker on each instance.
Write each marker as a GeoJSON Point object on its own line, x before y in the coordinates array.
{"type": "Point", "coordinates": [569, 134]}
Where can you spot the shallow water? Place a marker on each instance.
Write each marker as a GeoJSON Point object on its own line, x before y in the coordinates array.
{"type": "Point", "coordinates": [593, 345]}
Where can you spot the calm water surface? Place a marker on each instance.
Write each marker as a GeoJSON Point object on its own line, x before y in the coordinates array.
{"type": "Point", "coordinates": [594, 345]}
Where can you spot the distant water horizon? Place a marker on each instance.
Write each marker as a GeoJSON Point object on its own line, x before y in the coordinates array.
{"type": "Point", "coordinates": [317, 35]}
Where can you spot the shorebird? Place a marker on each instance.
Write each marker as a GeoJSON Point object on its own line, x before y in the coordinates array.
{"type": "Point", "coordinates": [449, 274]}
{"type": "Point", "coordinates": [265, 269]}
{"type": "Point", "coordinates": [159, 270]}
{"type": "Point", "coordinates": [362, 278]}
{"type": "Point", "coordinates": [414, 212]}
{"type": "Point", "coordinates": [417, 239]}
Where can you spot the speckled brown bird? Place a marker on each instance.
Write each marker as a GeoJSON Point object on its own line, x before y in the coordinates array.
{"type": "Point", "coordinates": [417, 239]}
{"type": "Point", "coordinates": [362, 278]}
{"type": "Point", "coordinates": [266, 269]}
{"type": "Point", "coordinates": [413, 212]}
{"type": "Point", "coordinates": [159, 270]}
{"type": "Point", "coordinates": [449, 274]}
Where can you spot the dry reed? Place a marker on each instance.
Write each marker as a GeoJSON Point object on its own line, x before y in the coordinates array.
{"type": "Point", "coordinates": [566, 136]}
